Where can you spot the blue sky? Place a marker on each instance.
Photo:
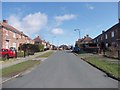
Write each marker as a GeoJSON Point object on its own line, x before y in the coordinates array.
{"type": "Point", "coordinates": [55, 22]}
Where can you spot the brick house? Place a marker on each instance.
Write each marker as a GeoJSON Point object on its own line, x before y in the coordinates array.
{"type": "Point", "coordinates": [84, 41]}
{"type": "Point", "coordinates": [109, 37]}
{"type": "Point", "coordinates": [38, 40]}
{"type": "Point", "coordinates": [11, 37]}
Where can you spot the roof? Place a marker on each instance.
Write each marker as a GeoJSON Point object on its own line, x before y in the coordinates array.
{"type": "Point", "coordinates": [87, 39]}
{"type": "Point", "coordinates": [112, 28]}
{"type": "Point", "coordinates": [29, 38]}
{"type": "Point", "coordinates": [11, 28]}
{"type": "Point", "coordinates": [37, 39]}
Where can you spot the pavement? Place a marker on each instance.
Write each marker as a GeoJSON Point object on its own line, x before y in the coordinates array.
{"type": "Point", "coordinates": [63, 70]}
{"type": "Point", "coordinates": [21, 59]}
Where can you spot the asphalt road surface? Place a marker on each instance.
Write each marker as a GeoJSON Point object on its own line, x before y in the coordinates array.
{"type": "Point", "coordinates": [63, 70]}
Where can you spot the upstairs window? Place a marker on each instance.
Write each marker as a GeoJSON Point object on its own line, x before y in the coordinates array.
{"type": "Point", "coordinates": [14, 35]}
{"type": "Point", "coordinates": [112, 34]}
{"type": "Point", "coordinates": [106, 36]}
{"type": "Point", "coordinates": [6, 32]}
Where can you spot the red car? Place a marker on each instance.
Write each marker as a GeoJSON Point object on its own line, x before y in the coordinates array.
{"type": "Point", "coordinates": [7, 53]}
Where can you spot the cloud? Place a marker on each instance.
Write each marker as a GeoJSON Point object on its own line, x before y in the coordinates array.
{"type": "Point", "coordinates": [15, 21]}
{"type": "Point", "coordinates": [90, 7]}
{"type": "Point", "coordinates": [57, 31]}
{"type": "Point", "coordinates": [66, 17]}
{"type": "Point", "coordinates": [30, 24]}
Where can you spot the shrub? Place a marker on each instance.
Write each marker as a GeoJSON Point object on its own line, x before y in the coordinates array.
{"type": "Point", "coordinates": [32, 47]}
{"type": "Point", "coordinates": [41, 47]}
{"type": "Point", "coordinates": [112, 52]}
{"type": "Point", "coordinates": [21, 54]}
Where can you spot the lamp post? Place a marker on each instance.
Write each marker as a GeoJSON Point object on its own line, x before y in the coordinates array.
{"type": "Point", "coordinates": [78, 31]}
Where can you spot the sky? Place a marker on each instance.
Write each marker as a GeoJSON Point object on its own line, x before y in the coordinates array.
{"type": "Point", "coordinates": [55, 21]}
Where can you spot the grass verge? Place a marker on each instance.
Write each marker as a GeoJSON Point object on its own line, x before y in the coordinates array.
{"type": "Point", "coordinates": [45, 55]}
{"type": "Point", "coordinates": [109, 67]}
{"type": "Point", "coordinates": [15, 69]}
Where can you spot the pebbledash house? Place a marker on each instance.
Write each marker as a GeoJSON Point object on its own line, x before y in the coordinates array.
{"type": "Point", "coordinates": [12, 37]}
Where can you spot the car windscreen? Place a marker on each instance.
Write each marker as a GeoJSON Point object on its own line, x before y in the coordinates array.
{"type": "Point", "coordinates": [3, 50]}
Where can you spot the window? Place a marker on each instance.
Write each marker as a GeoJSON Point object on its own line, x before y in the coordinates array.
{"type": "Point", "coordinates": [19, 36]}
{"type": "Point", "coordinates": [101, 38]}
{"type": "Point", "coordinates": [6, 46]}
{"type": "Point", "coordinates": [97, 40]}
{"type": "Point", "coordinates": [6, 32]}
{"type": "Point", "coordinates": [106, 44]}
{"type": "Point", "coordinates": [112, 34]}
{"type": "Point", "coordinates": [14, 45]}
{"type": "Point", "coordinates": [14, 35]}
{"type": "Point", "coordinates": [106, 36]}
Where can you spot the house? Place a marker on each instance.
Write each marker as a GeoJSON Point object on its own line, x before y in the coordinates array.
{"type": "Point", "coordinates": [84, 41]}
{"type": "Point", "coordinates": [12, 37]}
{"type": "Point", "coordinates": [37, 40]}
{"type": "Point", "coordinates": [109, 37]}
{"type": "Point", "coordinates": [86, 44]}
{"type": "Point", "coordinates": [29, 40]}
{"type": "Point", "coordinates": [49, 46]}
{"type": "Point", "coordinates": [63, 47]}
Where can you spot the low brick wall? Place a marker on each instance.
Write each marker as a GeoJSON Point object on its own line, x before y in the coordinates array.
{"type": "Point", "coordinates": [91, 50]}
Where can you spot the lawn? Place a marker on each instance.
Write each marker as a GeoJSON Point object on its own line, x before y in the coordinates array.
{"type": "Point", "coordinates": [15, 69]}
{"type": "Point", "coordinates": [102, 63]}
{"type": "Point", "coordinates": [45, 55]}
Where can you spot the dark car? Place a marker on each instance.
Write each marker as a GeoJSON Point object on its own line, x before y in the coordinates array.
{"type": "Point", "coordinates": [76, 49]}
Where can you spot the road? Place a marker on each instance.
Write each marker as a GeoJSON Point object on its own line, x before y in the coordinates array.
{"type": "Point", "coordinates": [63, 70]}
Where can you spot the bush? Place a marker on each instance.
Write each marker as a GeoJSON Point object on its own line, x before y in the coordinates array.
{"type": "Point", "coordinates": [41, 47]}
{"type": "Point", "coordinates": [112, 52]}
{"type": "Point", "coordinates": [21, 54]}
{"type": "Point", "coordinates": [32, 48]}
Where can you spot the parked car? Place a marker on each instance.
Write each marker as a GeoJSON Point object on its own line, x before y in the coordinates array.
{"type": "Point", "coordinates": [76, 49]}
{"type": "Point", "coordinates": [7, 53]}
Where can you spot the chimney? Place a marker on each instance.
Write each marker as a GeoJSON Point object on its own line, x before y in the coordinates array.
{"type": "Point", "coordinates": [5, 21]}
{"type": "Point", "coordinates": [87, 35]}
{"type": "Point", "coordinates": [103, 31]}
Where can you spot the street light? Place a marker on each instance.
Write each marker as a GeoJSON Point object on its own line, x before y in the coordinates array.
{"type": "Point", "coordinates": [78, 31]}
